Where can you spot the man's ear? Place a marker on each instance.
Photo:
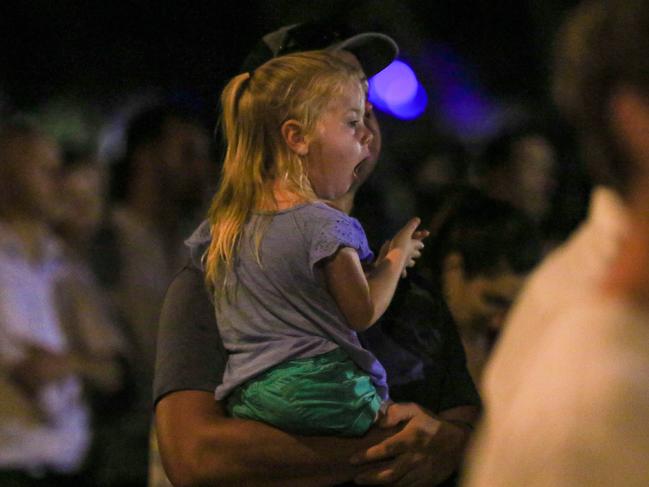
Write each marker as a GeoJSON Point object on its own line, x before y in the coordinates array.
{"type": "Point", "coordinates": [295, 138]}
{"type": "Point", "coordinates": [630, 115]}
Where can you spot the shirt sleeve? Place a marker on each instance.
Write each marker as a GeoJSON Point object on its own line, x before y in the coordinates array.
{"type": "Point", "coordinates": [335, 231]}
{"type": "Point", "coordinates": [190, 353]}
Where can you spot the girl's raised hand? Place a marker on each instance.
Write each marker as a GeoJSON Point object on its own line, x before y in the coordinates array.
{"type": "Point", "coordinates": [408, 242]}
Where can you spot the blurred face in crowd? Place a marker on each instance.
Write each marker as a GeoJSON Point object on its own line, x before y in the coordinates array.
{"type": "Point", "coordinates": [184, 150]}
{"type": "Point", "coordinates": [479, 303]}
{"type": "Point", "coordinates": [83, 194]}
{"type": "Point", "coordinates": [535, 163]}
{"type": "Point", "coordinates": [30, 177]}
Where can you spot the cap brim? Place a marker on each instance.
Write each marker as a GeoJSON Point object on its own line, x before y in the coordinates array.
{"type": "Point", "coordinates": [373, 50]}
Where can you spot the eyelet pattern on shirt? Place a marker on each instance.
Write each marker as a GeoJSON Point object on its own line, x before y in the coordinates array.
{"type": "Point", "coordinates": [345, 232]}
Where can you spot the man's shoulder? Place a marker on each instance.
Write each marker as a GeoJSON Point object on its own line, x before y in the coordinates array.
{"type": "Point", "coordinates": [187, 285]}
{"type": "Point", "coordinates": [190, 350]}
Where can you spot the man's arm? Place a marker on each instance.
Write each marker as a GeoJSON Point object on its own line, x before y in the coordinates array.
{"type": "Point", "coordinates": [200, 445]}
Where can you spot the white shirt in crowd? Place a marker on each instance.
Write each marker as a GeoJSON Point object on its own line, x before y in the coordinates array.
{"type": "Point", "coordinates": [50, 431]}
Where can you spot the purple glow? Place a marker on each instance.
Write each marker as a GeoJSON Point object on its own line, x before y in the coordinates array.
{"type": "Point", "coordinates": [397, 91]}
{"type": "Point", "coordinates": [463, 105]}
{"type": "Point", "coordinates": [414, 107]}
{"type": "Point", "coordinates": [397, 84]}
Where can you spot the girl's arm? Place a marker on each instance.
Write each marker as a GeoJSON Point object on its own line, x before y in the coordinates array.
{"type": "Point", "coordinates": [364, 298]}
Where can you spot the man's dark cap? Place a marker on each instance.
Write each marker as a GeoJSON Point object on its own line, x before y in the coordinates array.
{"type": "Point", "coordinates": [373, 50]}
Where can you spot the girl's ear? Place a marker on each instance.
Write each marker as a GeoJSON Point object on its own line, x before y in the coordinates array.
{"type": "Point", "coordinates": [293, 134]}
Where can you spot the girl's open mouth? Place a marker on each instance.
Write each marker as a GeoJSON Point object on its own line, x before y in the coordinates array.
{"type": "Point", "coordinates": [357, 168]}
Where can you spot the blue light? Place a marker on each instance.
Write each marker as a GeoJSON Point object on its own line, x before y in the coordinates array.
{"type": "Point", "coordinates": [397, 91]}
{"type": "Point", "coordinates": [463, 106]}
{"type": "Point", "coordinates": [414, 107]}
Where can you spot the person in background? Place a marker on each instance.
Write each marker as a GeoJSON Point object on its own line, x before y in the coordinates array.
{"type": "Point", "coordinates": [200, 444]}
{"type": "Point", "coordinates": [45, 422]}
{"type": "Point", "coordinates": [93, 323]}
{"type": "Point", "coordinates": [519, 166]}
{"type": "Point", "coordinates": [566, 391]}
{"type": "Point", "coordinates": [447, 164]}
{"type": "Point", "coordinates": [480, 252]}
{"type": "Point", "coordinates": [84, 196]}
{"type": "Point", "coordinates": [157, 191]}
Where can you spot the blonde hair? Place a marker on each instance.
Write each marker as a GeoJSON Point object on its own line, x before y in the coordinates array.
{"type": "Point", "coordinates": [254, 106]}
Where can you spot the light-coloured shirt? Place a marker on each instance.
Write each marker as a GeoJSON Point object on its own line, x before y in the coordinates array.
{"type": "Point", "coordinates": [50, 430]}
{"type": "Point", "coordinates": [571, 274]}
{"type": "Point", "coordinates": [581, 418]}
{"type": "Point", "coordinates": [567, 281]}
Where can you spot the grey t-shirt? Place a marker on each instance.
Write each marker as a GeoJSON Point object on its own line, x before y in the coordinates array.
{"type": "Point", "coordinates": [281, 309]}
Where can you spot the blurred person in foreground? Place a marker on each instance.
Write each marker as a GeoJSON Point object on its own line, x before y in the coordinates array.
{"type": "Point", "coordinates": [480, 253]}
{"type": "Point", "coordinates": [45, 422]}
{"type": "Point", "coordinates": [566, 392]}
{"type": "Point", "coordinates": [201, 445]}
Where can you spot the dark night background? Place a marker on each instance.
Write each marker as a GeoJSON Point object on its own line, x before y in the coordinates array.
{"type": "Point", "coordinates": [483, 63]}
{"type": "Point", "coordinates": [102, 49]}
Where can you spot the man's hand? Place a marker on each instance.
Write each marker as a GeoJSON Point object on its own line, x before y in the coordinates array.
{"type": "Point", "coordinates": [426, 451]}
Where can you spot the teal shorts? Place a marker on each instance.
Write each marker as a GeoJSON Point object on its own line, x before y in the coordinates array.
{"type": "Point", "coordinates": [323, 395]}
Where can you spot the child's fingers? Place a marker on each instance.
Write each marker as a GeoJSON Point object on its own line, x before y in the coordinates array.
{"type": "Point", "coordinates": [417, 244]}
{"type": "Point", "coordinates": [420, 234]}
{"type": "Point", "coordinates": [410, 228]}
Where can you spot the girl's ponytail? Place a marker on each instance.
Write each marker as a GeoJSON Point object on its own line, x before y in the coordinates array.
{"type": "Point", "coordinates": [235, 198]}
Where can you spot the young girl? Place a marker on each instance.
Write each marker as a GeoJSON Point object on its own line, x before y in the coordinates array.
{"type": "Point", "coordinates": [286, 267]}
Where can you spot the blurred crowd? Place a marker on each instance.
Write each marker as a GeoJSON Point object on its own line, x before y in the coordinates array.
{"type": "Point", "coordinates": [90, 240]}
{"type": "Point", "coordinates": [88, 247]}
{"type": "Point", "coordinates": [86, 254]}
